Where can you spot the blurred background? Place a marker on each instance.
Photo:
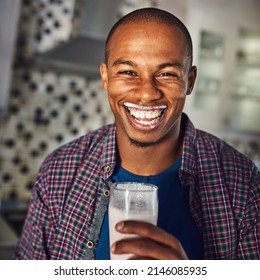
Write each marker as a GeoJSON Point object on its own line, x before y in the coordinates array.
{"type": "Point", "coordinates": [51, 93]}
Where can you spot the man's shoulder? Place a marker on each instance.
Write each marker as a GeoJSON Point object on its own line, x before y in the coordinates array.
{"type": "Point", "coordinates": [206, 145]}
{"type": "Point", "coordinates": [210, 143]}
{"type": "Point", "coordinates": [217, 154]}
{"type": "Point", "coordinates": [205, 149]}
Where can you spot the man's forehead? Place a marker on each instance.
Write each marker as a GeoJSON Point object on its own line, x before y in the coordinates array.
{"type": "Point", "coordinates": [151, 28]}
{"type": "Point", "coordinates": [143, 25]}
{"type": "Point", "coordinates": [151, 36]}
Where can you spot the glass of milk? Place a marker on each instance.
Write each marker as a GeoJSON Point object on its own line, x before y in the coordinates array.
{"type": "Point", "coordinates": [131, 201]}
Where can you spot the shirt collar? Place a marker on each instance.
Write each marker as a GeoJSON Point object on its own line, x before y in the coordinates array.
{"type": "Point", "coordinates": [189, 156]}
{"type": "Point", "coordinates": [109, 153]}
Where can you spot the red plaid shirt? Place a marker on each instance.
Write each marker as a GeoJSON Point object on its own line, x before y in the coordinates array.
{"type": "Point", "coordinates": [71, 194]}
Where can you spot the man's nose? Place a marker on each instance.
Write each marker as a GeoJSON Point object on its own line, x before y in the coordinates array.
{"type": "Point", "coordinates": [148, 91]}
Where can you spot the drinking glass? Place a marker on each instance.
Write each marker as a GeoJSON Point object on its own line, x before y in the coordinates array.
{"type": "Point", "coordinates": [131, 201]}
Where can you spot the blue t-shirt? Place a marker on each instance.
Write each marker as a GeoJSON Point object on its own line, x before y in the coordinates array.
{"type": "Point", "coordinates": [174, 212]}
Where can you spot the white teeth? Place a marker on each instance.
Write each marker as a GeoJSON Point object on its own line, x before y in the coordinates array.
{"type": "Point", "coordinates": [146, 115]}
{"type": "Point", "coordinates": [146, 122]}
{"type": "Point", "coordinates": [131, 105]}
{"type": "Point", "coordinates": [142, 115]}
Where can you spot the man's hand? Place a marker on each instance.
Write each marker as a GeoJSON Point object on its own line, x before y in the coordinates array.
{"type": "Point", "coordinates": [151, 242]}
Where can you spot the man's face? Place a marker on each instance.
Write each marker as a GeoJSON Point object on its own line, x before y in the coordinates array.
{"type": "Point", "coordinates": [147, 77]}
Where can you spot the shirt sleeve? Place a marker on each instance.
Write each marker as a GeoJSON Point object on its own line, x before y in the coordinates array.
{"type": "Point", "coordinates": [35, 241]}
{"type": "Point", "coordinates": [249, 237]}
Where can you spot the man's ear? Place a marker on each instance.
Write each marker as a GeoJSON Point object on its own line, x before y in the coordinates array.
{"type": "Point", "coordinates": [192, 79]}
{"type": "Point", "coordinates": [104, 74]}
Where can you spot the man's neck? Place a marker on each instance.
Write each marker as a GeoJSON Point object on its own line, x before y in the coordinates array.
{"type": "Point", "coordinates": [151, 159]}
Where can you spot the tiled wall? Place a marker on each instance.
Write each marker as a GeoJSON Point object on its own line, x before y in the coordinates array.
{"type": "Point", "coordinates": [48, 109]}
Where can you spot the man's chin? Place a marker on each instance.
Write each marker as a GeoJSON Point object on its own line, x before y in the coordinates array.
{"type": "Point", "coordinates": [140, 144]}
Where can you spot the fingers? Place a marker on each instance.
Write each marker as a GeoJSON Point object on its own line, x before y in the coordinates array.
{"type": "Point", "coordinates": [151, 243]}
{"type": "Point", "coordinates": [148, 230]}
{"type": "Point", "coordinates": [140, 258]}
{"type": "Point", "coordinates": [143, 248]}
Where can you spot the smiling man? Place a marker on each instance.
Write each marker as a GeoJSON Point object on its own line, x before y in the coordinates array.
{"type": "Point", "coordinates": [147, 75]}
{"type": "Point", "coordinates": [208, 192]}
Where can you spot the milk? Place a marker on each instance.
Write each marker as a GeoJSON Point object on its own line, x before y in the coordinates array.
{"type": "Point", "coordinates": [116, 215]}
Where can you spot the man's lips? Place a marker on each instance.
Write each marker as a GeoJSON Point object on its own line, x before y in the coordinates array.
{"type": "Point", "coordinates": [145, 116]}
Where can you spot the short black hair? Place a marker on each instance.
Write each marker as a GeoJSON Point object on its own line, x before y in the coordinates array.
{"type": "Point", "coordinates": [151, 15]}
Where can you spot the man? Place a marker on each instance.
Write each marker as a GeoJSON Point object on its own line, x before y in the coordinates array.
{"type": "Point", "coordinates": [208, 192]}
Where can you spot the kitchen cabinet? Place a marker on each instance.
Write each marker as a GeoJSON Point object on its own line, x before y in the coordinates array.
{"type": "Point", "coordinates": [226, 96]}
{"type": "Point", "coordinates": [211, 70]}
{"type": "Point", "coordinates": [245, 106]}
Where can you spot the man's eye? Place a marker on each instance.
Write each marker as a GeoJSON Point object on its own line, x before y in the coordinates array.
{"type": "Point", "coordinates": [167, 74]}
{"type": "Point", "coordinates": [128, 72]}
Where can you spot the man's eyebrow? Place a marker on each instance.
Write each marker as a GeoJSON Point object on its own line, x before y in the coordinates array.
{"type": "Point", "coordinates": [124, 62]}
{"type": "Point", "coordinates": [171, 64]}
{"type": "Point", "coordinates": [160, 66]}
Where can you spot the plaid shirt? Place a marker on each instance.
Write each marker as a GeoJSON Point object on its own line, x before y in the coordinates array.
{"type": "Point", "coordinates": [71, 195]}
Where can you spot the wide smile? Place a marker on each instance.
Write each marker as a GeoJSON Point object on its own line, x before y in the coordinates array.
{"type": "Point", "coordinates": [145, 117]}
